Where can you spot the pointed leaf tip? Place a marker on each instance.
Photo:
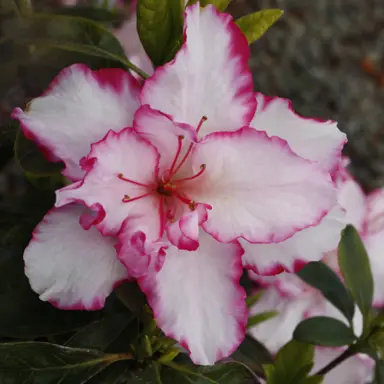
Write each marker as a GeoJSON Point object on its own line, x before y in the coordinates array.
{"type": "Point", "coordinates": [256, 24]}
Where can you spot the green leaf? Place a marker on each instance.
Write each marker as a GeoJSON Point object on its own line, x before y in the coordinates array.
{"type": "Point", "coordinates": [73, 34]}
{"type": "Point", "coordinates": [31, 158]}
{"type": "Point", "coordinates": [260, 318]}
{"type": "Point", "coordinates": [228, 373]}
{"type": "Point", "coordinates": [320, 276]}
{"type": "Point", "coordinates": [101, 333]}
{"type": "Point", "coordinates": [24, 315]}
{"type": "Point", "coordinates": [221, 5]}
{"type": "Point", "coordinates": [252, 300]}
{"type": "Point", "coordinates": [160, 27]}
{"type": "Point", "coordinates": [44, 363]}
{"type": "Point", "coordinates": [379, 372]}
{"type": "Point", "coordinates": [325, 331]}
{"type": "Point", "coordinates": [356, 270]}
{"type": "Point", "coordinates": [292, 364]}
{"type": "Point", "coordinates": [253, 354]}
{"type": "Point", "coordinates": [256, 24]}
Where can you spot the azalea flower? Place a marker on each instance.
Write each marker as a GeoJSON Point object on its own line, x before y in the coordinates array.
{"type": "Point", "coordinates": [172, 182]}
{"type": "Point", "coordinates": [295, 301]}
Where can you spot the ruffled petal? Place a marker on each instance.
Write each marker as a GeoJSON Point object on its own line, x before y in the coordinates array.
{"type": "Point", "coordinates": [208, 77]}
{"type": "Point", "coordinates": [122, 166]}
{"type": "Point", "coordinates": [79, 108]}
{"type": "Point", "coordinates": [257, 187]}
{"type": "Point", "coordinates": [312, 139]}
{"type": "Point", "coordinates": [304, 246]}
{"type": "Point", "coordinates": [166, 135]}
{"type": "Point", "coordinates": [70, 267]}
{"type": "Point", "coordinates": [197, 299]}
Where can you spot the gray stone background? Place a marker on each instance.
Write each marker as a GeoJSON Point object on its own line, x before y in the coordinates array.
{"type": "Point", "coordinates": [327, 56]}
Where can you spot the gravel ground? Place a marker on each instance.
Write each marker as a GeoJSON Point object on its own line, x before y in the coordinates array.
{"type": "Point", "coordinates": [328, 57]}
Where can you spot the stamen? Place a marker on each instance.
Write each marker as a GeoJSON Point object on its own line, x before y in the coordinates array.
{"type": "Point", "coordinates": [179, 146]}
{"type": "Point", "coordinates": [183, 199]}
{"type": "Point", "coordinates": [128, 199]}
{"type": "Point", "coordinates": [202, 169]}
{"type": "Point", "coordinates": [121, 177]}
{"type": "Point", "coordinates": [203, 119]}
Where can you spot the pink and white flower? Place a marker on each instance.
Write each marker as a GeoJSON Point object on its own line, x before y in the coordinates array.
{"type": "Point", "coordinates": [173, 183]}
{"type": "Point", "coordinates": [296, 301]}
{"type": "Point", "coordinates": [320, 142]}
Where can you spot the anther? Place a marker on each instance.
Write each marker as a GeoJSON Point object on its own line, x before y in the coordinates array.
{"type": "Point", "coordinates": [126, 198]}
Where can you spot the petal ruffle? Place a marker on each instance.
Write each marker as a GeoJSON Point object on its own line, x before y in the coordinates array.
{"type": "Point", "coordinates": [78, 109]}
{"type": "Point", "coordinates": [312, 139]}
{"type": "Point", "coordinates": [292, 254]}
{"type": "Point", "coordinates": [70, 267]}
{"type": "Point", "coordinates": [112, 161]}
{"type": "Point", "coordinates": [208, 77]}
{"type": "Point", "coordinates": [197, 299]}
{"type": "Point", "coordinates": [257, 187]}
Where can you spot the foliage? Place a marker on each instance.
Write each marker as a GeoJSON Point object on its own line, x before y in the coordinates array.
{"type": "Point", "coordinates": [121, 343]}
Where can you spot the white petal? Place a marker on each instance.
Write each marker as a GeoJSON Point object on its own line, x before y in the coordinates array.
{"type": "Point", "coordinates": [197, 299]}
{"type": "Point", "coordinates": [355, 370]}
{"type": "Point", "coordinates": [304, 246]}
{"type": "Point", "coordinates": [311, 139]}
{"type": "Point", "coordinates": [71, 267]}
{"type": "Point", "coordinates": [208, 77]}
{"type": "Point", "coordinates": [276, 332]}
{"type": "Point", "coordinates": [137, 160]}
{"type": "Point", "coordinates": [78, 109]}
{"type": "Point", "coordinates": [257, 187]}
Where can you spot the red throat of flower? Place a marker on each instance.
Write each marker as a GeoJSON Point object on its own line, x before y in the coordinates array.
{"type": "Point", "coordinates": [167, 187]}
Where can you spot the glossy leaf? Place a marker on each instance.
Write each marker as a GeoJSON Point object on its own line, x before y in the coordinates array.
{"type": "Point", "coordinates": [74, 34]}
{"type": "Point", "coordinates": [356, 269]}
{"type": "Point", "coordinates": [292, 364]}
{"type": "Point", "coordinates": [320, 276]}
{"type": "Point", "coordinates": [32, 160]}
{"type": "Point", "coordinates": [160, 27]}
{"type": "Point", "coordinates": [228, 373]}
{"type": "Point", "coordinates": [253, 354]}
{"type": "Point", "coordinates": [44, 363]}
{"type": "Point", "coordinates": [100, 334]}
{"type": "Point", "coordinates": [325, 331]}
{"type": "Point", "coordinates": [256, 24]}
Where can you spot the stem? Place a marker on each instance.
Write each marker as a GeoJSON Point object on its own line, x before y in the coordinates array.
{"type": "Point", "coordinates": [334, 363]}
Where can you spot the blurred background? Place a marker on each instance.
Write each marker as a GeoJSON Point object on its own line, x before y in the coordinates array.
{"type": "Point", "coordinates": [324, 55]}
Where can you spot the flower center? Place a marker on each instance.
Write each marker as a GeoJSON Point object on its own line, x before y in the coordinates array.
{"type": "Point", "coordinates": [168, 187]}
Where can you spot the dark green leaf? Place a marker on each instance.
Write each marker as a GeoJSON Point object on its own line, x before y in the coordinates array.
{"type": "Point", "coordinates": [44, 363]}
{"type": "Point", "coordinates": [24, 315]}
{"type": "Point", "coordinates": [260, 318]}
{"type": "Point", "coordinates": [73, 34]}
{"type": "Point", "coordinates": [253, 354]}
{"type": "Point", "coordinates": [101, 333]}
{"type": "Point", "coordinates": [292, 364]}
{"type": "Point", "coordinates": [221, 5]}
{"type": "Point", "coordinates": [160, 27]}
{"type": "Point", "coordinates": [324, 279]}
{"type": "Point", "coordinates": [356, 269]}
{"type": "Point", "coordinates": [32, 160]}
{"type": "Point", "coordinates": [103, 15]}
{"type": "Point", "coordinates": [379, 372]}
{"type": "Point", "coordinates": [228, 373]}
{"type": "Point", "coordinates": [325, 331]}
{"type": "Point", "coordinates": [256, 24]}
